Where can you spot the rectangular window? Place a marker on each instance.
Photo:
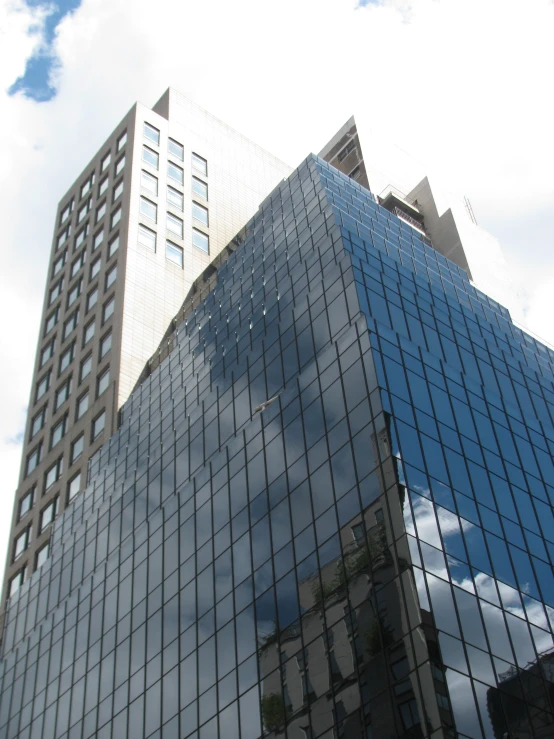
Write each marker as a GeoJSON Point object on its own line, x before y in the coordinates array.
{"type": "Point", "coordinates": [53, 474]}
{"type": "Point", "coordinates": [33, 459]}
{"type": "Point", "coordinates": [92, 298]}
{"type": "Point", "coordinates": [175, 198]}
{"type": "Point", "coordinates": [77, 448]}
{"type": "Point", "coordinates": [77, 264]}
{"type": "Point", "coordinates": [111, 277]}
{"type": "Point", "coordinates": [51, 321]}
{"type": "Point", "coordinates": [70, 325]}
{"type": "Point", "coordinates": [200, 240]}
{"type": "Point", "coordinates": [17, 581]}
{"type": "Point", "coordinates": [55, 292]}
{"type": "Point", "coordinates": [150, 157]}
{"type": "Point", "coordinates": [200, 164]}
{"type": "Point", "coordinates": [149, 182]}
{"type": "Point", "coordinates": [103, 186]}
{"type": "Point", "coordinates": [85, 187]}
{"type": "Point", "coordinates": [199, 188]}
{"type": "Point", "coordinates": [98, 239]}
{"type": "Point", "coordinates": [105, 344]}
{"type": "Point", "coordinates": [38, 422]}
{"type": "Point", "coordinates": [106, 162]}
{"type": "Point", "coordinates": [43, 385]}
{"type": "Point", "coordinates": [62, 238]}
{"type": "Point", "coordinates": [58, 432]}
{"type": "Point", "coordinates": [113, 247]}
{"type": "Point", "coordinates": [108, 310]}
{"type": "Point", "coordinates": [21, 543]}
{"type": "Point", "coordinates": [117, 190]}
{"type": "Point", "coordinates": [81, 236]}
{"type": "Point", "coordinates": [58, 264]}
{"type": "Point", "coordinates": [74, 293]}
{"type": "Point", "coordinates": [83, 210]}
{"type": "Point", "coordinates": [66, 212]}
{"type": "Point", "coordinates": [147, 237]}
{"type": "Point", "coordinates": [151, 133]}
{"type": "Point", "coordinates": [48, 514]}
{"type": "Point", "coordinates": [62, 394]}
{"type": "Point", "coordinates": [174, 253]}
{"type": "Point", "coordinates": [199, 213]}
{"type": "Point", "coordinates": [88, 333]}
{"type": "Point", "coordinates": [176, 149]}
{"type": "Point", "coordinates": [95, 268]}
{"type": "Point", "coordinates": [346, 151]}
{"type": "Point", "coordinates": [86, 366]}
{"type": "Point", "coordinates": [175, 172]}
{"type": "Point", "coordinates": [175, 225]}
{"type": "Point", "coordinates": [82, 405]}
{"type": "Point", "coordinates": [74, 486]}
{"type": "Point", "coordinates": [121, 141]}
{"type": "Point", "coordinates": [119, 167]}
{"type": "Point", "coordinates": [26, 503]}
{"type": "Point", "coordinates": [149, 209]}
{"type": "Point", "coordinates": [98, 425]}
{"type": "Point", "coordinates": [116, 217]}
{"type": "Point", "coordinates": [101, 211]}
{"type": "Point", "coordinates": [47, 352]}
{"type": "Point", "coordinates": [42, 555]}
{"type": "Point", "coordinates": [103, 383]}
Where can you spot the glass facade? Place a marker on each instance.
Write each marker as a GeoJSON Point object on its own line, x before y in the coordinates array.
{"type": "Point", "coordinates": [327, 512]}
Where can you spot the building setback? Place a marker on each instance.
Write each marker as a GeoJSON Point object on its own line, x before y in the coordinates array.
{"type": "Point", "coordinates": [326, 512]}
{"type": "Point", "coordinates": [166, 192]}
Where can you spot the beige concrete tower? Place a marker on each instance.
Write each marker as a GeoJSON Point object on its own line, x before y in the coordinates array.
{"type": "Point", "coordinates": [166, 192]}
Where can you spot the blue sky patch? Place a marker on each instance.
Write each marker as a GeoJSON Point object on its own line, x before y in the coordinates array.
{"type": "Point", "coordinates": [35, 83]}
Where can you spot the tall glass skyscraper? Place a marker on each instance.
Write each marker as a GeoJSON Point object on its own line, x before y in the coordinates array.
{"type": "Point", "coordinates": [326, 512]}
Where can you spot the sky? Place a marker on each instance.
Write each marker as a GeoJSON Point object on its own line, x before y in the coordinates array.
{"type": "Point", "coordinates": [461, 85]}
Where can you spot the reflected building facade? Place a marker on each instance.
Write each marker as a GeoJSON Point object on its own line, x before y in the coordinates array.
{"type": "Point", "coordinates": [326, 511]}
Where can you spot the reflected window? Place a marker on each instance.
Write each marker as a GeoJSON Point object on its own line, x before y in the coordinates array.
{"type": "Point", "coordinates": [42, 555]}
{"type": "Point", "coordinates": [174, 253]}
{"type": "Point", "coordinates": [176, 149]}
{"type": "Point", "coordinates": [200, 214]}
{"type": "Point", "coordinates": [149, 182]}
{"type": "Point", "coordinates": [151, 133]}
{"type": "Point", "coordinates": [21, 543]}
{"type": "Point", "coordinates": [199, 188]}
{"type": "Point", "coordinates": [17, 581]}
{"type": "Point", "coordinates": [200, 164]}
{"type": "Point", "coordinates": [200, 240]}
{"type": "Point", "coordinates": [150, 157]}
{"type": "Point", "coordinates": [147, 237]}
{"type": "Point", "coordinates": [77, 448]}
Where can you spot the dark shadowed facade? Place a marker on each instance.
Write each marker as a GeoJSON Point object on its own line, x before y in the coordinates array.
{"type": "Point", "coordinates": [326, 512]}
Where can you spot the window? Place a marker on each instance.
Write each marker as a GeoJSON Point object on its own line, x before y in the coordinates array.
{"type": "Point", "coordinates": [175, 198]}
{"type": "Point", "coordinates": [48, 514]}
{"type": "Point", "coordinates": [200, 240]}
{"type": "Point", "coordinates": [346, 151]}
{"type": "Point", "coordinates": [103, 383]}
{"type": "Point", "coordinates": [42, 555]}
{"type": "Point", "coordinates": [53, 474]}
{"type": "Point", "coordinates": [62, 394]}
{"type": "Point", "coordinates": [66, 212]}
{"type": "Point", "coordinates": [101, 211]}
{"type": "Point", "coordinates": [92, 298]}
{"type": "Point", "coordinates": [74, 293]}
{"type": "Point", "coordinates": [106, 162]}
{"type": "Point", "coordinates": [98, 425]}
{"type": "Point", "coordinates": [95, 268]}
{"type": "Point", "coordinates": [26, 503]}
{"type": "Point", "coordinates": [58, 264]}
{"type": "Point", "coordinates": [199, 188]}
{"type": "Point", "coordinates": [74, 486]}
{"type": "Point", "coordinates": [175, 172]}
{"type": "Point", "coordinates": [174, 253]}
{"type": "Point", "coordinates": [88, 332]}
{"type": "Point", "coordinates": [149, 182]}
{"type": "Point", "coordinates": [200, 164]}
{"type": "Point", "coordinates": [151, 133]}
{"type": "Point", "coordinates": [105, 344]}
{"type": "Point", "coordinates": [85, 187]}
{"type": "Point", "coordinates": [81, 236]}
{"type": "Point", "coordinates": [58, 432]}
{"type": "Point", "coordinates": [83, 210]}
{"type": "Point", "coordinates": [116, 217]}
{"type": "Point", "coordinates": [21, 543]}
{"type": "Point", "coordinates": [149, 209]}
{"type": "Point", "coordinates": [51, 321]}
{"type": "Point", "coordinates": [77, 264]}
{"type": "Point", "coordinates": [113, 247]}
{"type": "Point", "coordinates": [117, 190]}
{"type": "Point", "coordinates": [176, 149]}
{"type": "Point", "coordinates": [62, 238]}
{"type": "Point", "coordinates": [17, 581]}
{"type": "Point", "coordinates": [175, 225]}
{"type": "Point", "coordinates": [77, 448]}
{"type": "Point", "coordinates": [33, 458]}
{"type": "Point", "coordinates": [108, 310]}
{"type": "Point", "coordinates": [70, 324]}
{"type": "Point", "coordinates": [199, 213]}
{"type": "Point", "coordinates": [119, 167]}
{"type": "Point", "coordinates": [98, 239]}
{"type": "Point", "coordinates": [121, 141]}
{"type": "Point", "coordinates": [86, 366]}
{"type": "Point", "coordinates": [111, 277]}
{"type": "Point", "coordinates": [150, 157]}
{"type": "Point", "coordinates": [43, 385]}
{"type": "Point", "coordinates": [38, 422]}
{"type": "Point", "coordinates": [47, 352]}
{"type": "Point", "coordinates": [103, 186]}
{"type": "Point", "coordinates": [82, 405]}
{"type": "Point", "coordinates": [147, 237]}
{"type": "Point", "coordinates": [55, 292]}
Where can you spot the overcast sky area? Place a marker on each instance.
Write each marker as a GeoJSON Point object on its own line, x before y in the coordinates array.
{"type": "Point", "coordinates": [462, 85]}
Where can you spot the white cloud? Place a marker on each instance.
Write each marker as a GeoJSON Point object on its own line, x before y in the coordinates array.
{"type": "Point", "coordinates": [461, 84]}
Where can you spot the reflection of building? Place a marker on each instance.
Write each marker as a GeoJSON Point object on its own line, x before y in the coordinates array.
{"type": "Point", "coordinates": [325, 512]}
